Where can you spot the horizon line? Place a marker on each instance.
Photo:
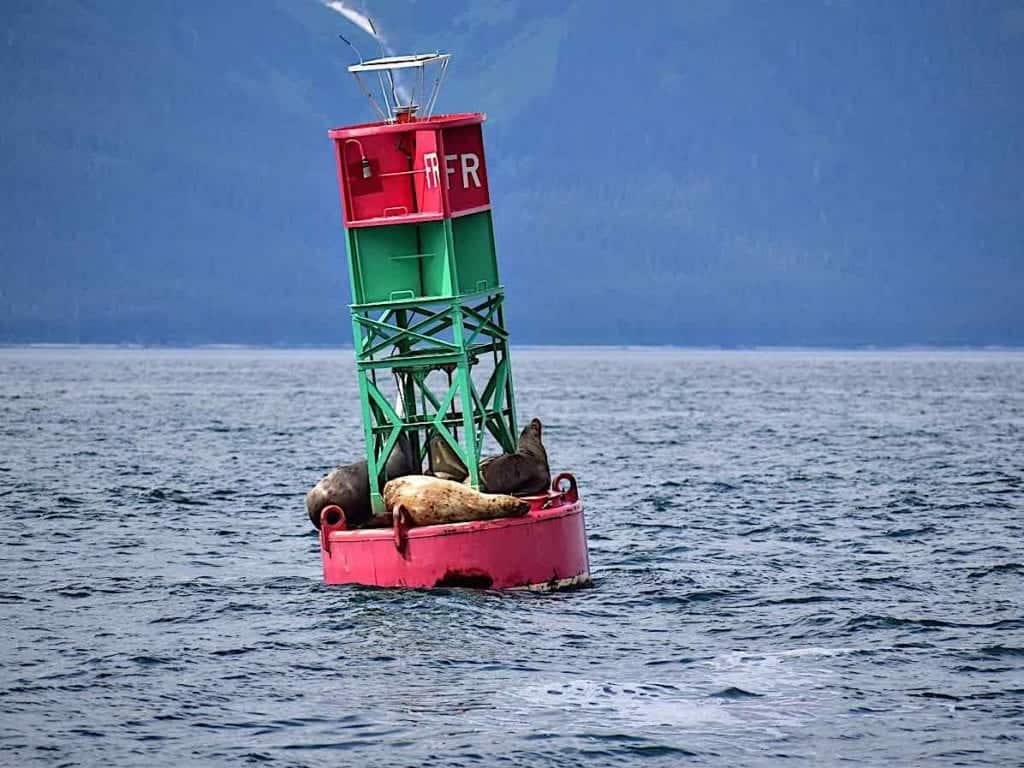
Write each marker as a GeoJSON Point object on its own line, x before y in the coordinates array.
{"type": "Point", "coordinates": [610, 346]}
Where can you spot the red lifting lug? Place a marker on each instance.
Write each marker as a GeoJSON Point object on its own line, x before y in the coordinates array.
{"type": "Point", "coordinates": [400, 524]}
{"type": "Point", "coordinates": [570, 493]}
{"type": "Point", "coordinates": [332, 518]}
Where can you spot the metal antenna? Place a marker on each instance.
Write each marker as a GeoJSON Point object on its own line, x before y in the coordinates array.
{"type": "Point", "coordinates": [350, 45]}
{"type": "Point", "coordinates": [442, 70]}
{"type": "Point", "coordinates": [383, 53]}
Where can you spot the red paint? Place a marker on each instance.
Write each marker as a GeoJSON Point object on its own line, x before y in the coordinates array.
{"type": "Point", "coordinates": [429, 197]}
{"type": "Point", "coordinates": [548, 544]}
{"type": "Point", "coordinates": [461, 146]}
{"type": "Point", "coordinates": [418, 171]}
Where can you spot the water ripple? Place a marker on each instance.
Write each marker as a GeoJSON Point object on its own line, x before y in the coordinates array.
{"type": "Point", "coordinates": [798, 557]}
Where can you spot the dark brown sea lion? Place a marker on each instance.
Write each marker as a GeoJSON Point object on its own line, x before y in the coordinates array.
{"type": "Point", "coordinates": [522, 473]}
{"type": "Point", "coordinates": [432, 501]}
{"type": "Point", "coordinates": [349, 486]}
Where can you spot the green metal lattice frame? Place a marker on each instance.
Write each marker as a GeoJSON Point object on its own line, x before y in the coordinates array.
{"type": "Point", "coordinates": [413, 339]}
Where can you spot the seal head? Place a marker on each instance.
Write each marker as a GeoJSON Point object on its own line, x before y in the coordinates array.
{"type": "Point", "coordinates": [523, 473]}
{"type": "Point", "coordinates": [348, 486]}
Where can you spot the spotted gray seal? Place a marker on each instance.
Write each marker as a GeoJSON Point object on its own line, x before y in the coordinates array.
{"type": "Point", "coordinates": [433, 500]}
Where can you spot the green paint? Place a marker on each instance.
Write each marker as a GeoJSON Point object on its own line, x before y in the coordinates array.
{"type": "Point", "coordinates": [436, 259]}
{"type": "Point", "coordinates": [426, 299]}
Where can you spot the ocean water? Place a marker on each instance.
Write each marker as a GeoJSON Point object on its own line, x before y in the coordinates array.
{"type": "Point", "coordinates": [803, 558]}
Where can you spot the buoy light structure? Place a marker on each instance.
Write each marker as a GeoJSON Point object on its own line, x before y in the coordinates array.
{"type": "Point", "coordinates": [431, 348]}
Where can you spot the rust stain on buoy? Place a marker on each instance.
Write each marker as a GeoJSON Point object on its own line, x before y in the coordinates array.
{"type": "Point", "coordinates": [470, 578]}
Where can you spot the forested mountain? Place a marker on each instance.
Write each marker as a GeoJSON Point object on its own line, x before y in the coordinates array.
{"type": "Point", "coordinates": [705, 172]}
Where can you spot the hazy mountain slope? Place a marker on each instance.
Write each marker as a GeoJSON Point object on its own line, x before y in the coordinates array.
{"type": "Point", "coordinates": [701, 172]}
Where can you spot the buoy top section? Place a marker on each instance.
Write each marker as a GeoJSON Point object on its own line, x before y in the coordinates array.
{"type": "Point", "coordinates": [408, 85]}
{"type": "Point", "coordinates": [419, 60]}
{"type": "Point", "coordinates": [410, 166]}
{"type": "Point", "coordinates": [403, 173]}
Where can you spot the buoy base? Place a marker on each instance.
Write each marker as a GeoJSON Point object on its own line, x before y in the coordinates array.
{"type": "Point", "coordinates": [544, 550]}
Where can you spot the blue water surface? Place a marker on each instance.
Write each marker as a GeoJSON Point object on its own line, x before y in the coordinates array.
{"type": "Point", "coordinates": [803, 558]}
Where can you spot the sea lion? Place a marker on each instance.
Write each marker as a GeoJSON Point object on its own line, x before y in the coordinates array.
{"type": "Point", "coordinates": [432, 500]}
{"type": "Point", "coordinates": [523, 473]}
{"type": "Point", "coordinates": [349, 486]}
{"type": "Point", "coordinates": [445, 462]}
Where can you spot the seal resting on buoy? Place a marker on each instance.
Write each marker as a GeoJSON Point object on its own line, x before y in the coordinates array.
{"type": "Point", "coordinates": [349, 486]}
{"type": "Point", "coordinates": [432, 501]}
{"type": "Point", "coordinates": [523, 473]}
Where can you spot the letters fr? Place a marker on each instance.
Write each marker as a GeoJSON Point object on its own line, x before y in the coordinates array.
{"type": "Point", "coordinates": [469, 164]}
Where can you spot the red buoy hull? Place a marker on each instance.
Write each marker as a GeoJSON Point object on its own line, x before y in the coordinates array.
{"type": "Point", "coordinates": [544, 549]}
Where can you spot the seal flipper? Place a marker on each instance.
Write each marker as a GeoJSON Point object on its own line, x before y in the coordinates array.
{"type": "Point", "coordinates": [444, 462]}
